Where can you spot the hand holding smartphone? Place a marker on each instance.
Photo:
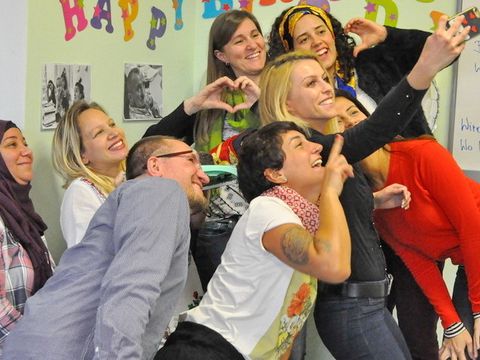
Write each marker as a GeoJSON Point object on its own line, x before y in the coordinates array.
{"type": "Point", "coordinates": [472, 19]}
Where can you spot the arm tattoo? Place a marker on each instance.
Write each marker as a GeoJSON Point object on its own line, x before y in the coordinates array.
{"type": "Point", "coordinates": [295, 243]}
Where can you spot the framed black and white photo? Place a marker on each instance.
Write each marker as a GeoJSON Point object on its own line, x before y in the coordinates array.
{"type": "Point", "coordinates": [62, 84]}
{"type": "Point", "coordinates": [142, 92]}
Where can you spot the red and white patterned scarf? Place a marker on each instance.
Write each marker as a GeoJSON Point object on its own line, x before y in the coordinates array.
{"type": "Point", "coordinates": [304, 209]}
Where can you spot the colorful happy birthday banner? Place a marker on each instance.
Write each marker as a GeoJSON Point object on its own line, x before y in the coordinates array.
{"type": "Point", "coordinates": [74, 12]}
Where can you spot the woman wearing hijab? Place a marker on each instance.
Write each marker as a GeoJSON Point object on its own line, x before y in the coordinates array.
{"type": "Point", "coordinates": [25, 263]}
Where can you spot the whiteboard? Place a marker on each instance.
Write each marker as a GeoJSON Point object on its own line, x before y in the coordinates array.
{"type": "Point", "coordinates": [464, 139]}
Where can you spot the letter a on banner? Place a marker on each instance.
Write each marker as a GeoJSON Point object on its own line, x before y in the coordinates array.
{"type": "Point", "coordinates": [100, 13]}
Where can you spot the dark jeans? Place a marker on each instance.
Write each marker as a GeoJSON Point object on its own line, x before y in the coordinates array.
{"type": "Point", "coordinates": [417, 318]}
{"type": "Point", "coordinates": [210, 243]}
{"type": "Point", "coordinates": [299, 346]}
{"type": "Point", "coordinates": [359, 328]}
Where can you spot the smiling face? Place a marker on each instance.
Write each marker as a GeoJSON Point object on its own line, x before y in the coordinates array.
{"type": "Point", "coordinates": [302, 167]}
{"type": "Point", "coordinates": [311, 96]}
{"type": "Point", "coordinates": [186, 170]}
{"type": "Point", "coordinates": [349, 114]}
{"type": "Point", "coordinates": [17, 156]}
{"type": "Point", "coordinates": [312, 34]}
{"type": "Point", "coordinates": [104, 144]}
{"type": "Point", "coordinates": [245, 52]}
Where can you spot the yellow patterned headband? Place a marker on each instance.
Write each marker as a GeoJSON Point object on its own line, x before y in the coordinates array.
{"type": "Point", "coordinates": [291, 17]}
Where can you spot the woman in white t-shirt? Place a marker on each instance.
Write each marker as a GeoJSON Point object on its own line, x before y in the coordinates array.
{"type": "Point", "coordinates": [89, 152]}
{"type": "Point", "coordinates": [293, 233]}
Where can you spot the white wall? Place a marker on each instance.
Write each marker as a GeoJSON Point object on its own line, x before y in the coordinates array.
{"type": "Point", "coordinates": [13, 60]}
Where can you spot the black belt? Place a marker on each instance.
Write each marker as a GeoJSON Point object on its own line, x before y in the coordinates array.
{"type": "Point", "coordinates": [359, 289]}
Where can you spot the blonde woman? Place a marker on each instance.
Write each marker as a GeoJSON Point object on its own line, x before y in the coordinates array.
{"type": "Point", "coordinates": [89, 152]}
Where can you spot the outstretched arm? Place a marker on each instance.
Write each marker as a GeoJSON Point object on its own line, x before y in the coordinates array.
{"type": "Point", "coordinates": [441, 48]}
{"type": "Point", "coordinates": [402, 102]}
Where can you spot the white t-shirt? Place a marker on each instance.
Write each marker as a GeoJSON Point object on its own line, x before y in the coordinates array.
{"type": "Point", "coordinates": [80, 202]}
{"type": "Point", "coordinates": [254, 300]}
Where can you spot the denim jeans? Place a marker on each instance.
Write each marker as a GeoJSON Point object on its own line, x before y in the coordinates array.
{"type": "Point", "coordinates": [416, 316]}
{"type": "Point", "coordinates": [359, 328]}
{"type": "Point", "coordinates": [299, 346]}
{"type": "Point", "coordinates": [210, 244]}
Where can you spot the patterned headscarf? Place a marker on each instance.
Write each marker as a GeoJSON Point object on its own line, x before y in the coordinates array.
{"type": "Point", "coordinates": [291, 17]}
{"type": "Point", "coordinates": [19, 216]}
{"type": "Point", "coordinates": [287, 26]}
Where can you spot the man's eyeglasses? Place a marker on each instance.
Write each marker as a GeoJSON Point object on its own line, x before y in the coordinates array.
{"type": "Point", "coordinates": [194, 156]}
{"type": "Point", "coordinates": [173, 154]}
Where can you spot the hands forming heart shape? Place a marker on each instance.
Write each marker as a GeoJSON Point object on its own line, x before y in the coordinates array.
{"type": "Point", "coordinates": [215, 95]}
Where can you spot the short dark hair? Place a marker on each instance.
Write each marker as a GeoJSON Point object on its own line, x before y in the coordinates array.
{"type": "Point", "coordinates": [260, 151]}
{"type": "Point", "coordinates": [140, 152]}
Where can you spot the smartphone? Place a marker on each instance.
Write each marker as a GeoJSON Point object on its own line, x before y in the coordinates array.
{"type": "Point", "coordinates": [472, 19]}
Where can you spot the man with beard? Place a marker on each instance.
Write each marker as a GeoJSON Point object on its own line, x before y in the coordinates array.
{"type": "Point", "coordinates": [114, 293]}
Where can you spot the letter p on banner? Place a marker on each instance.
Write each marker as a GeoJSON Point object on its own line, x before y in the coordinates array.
{"type": "Point", "coordinates": [158, 24]}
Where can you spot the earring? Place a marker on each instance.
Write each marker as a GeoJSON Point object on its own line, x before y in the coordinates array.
{"type": "Point", "coordinates": [227, 64]}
